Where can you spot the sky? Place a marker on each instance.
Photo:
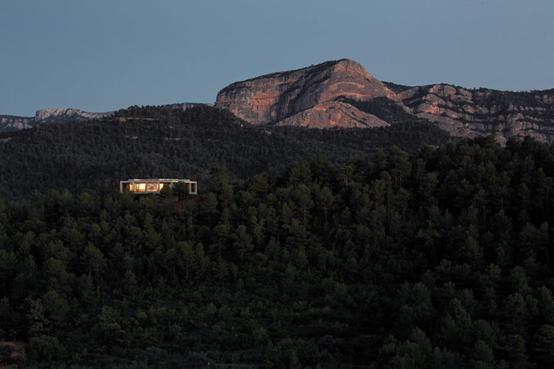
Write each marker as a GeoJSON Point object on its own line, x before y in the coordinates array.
{"type": "Point", "coordinates": [101, 55]}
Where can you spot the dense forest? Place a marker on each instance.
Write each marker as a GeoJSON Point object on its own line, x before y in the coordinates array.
{"type": "Point", "coordinates": [165, 142]}
{"type": "Point", "coordinates": [437, 259]}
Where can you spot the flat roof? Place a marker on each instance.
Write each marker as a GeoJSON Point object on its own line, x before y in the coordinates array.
{"type": "Point", "coordinates": [158, 180]}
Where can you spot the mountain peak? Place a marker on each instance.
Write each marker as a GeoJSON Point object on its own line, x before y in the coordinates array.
{"type": "Point", "coordinates": [352, 65]}
{"type": "Point", "coordinates": [273, 98]}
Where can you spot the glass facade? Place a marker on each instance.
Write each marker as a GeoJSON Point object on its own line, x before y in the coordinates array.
{"type": "Point", "coordinates": [153, 186]}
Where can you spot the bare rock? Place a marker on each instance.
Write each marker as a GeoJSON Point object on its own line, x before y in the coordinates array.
{"type": "Point", "coordinates": [58, 114]}
{"type": "Point", "coordinates": [279, 96]}
{"type": "Point", "coordinates": [333, 114]}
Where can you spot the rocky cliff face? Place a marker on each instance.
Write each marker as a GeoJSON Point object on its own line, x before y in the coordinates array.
{"type": "Point", "coordinates": [10, 123]}
{"type": "Point", "coordinates": [57, 115]}
{"type": "Point", "coordinates": [331, 114]}
{"type": "Point", "coordinates": [342, 94]}
{"type": "Point", "coordinates": [471, 113]}
{"type": "Point", "coordinates": [304, 97]}
{"type": "Point", "coordinates": [66, 114]}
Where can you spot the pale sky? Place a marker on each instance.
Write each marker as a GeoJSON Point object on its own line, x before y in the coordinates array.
{"type": "Point", "coordinates": [107, 54]}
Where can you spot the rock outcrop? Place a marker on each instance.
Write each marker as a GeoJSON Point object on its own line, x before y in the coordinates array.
{"type": "Point", "coordinates": [66, 114]}
{"type": "Point", "coordinates": [331, 114]}
{"type": "Point", "coordinates": [343, 94]}
{"type": "Point", "coordinates": [57, 115]}
{"type": "Point", "coordinates": [301, 97]}
{"type": "Point", "coordinates": [10, 123]}
{"type": "Point", "coordinates": [471, 113]}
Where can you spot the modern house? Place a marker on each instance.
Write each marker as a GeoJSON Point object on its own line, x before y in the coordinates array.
{"type": "Point", "coordinates": [155, 185]}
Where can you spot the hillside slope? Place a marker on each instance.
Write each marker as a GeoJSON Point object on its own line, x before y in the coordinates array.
{"type": "Point", "coordinates": [166, 142]}
{"type": "Point", "coordinates": [440, 259]}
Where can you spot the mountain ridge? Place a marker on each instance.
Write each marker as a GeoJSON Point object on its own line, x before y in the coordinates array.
{"type": "Point", "coordinates": [10, 123]}
{"type": "Point", "coordinates": [343, 94]}
{"type": "Point", "coordinates": [460, 111]}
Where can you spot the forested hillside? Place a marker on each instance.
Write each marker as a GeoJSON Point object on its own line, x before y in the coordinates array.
{"type": "Point", "coordinates": [440, 259]}
{"type": "Point", "coordinates": [167, 142]}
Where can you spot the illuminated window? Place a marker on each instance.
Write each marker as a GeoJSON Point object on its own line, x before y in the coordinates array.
{"type": "Point", "coordinates": [155, 186]}
{"type": "Point", "coordinates": [152, 187]}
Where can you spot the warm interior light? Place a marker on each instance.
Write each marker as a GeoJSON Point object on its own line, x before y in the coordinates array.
{"type": "Point", "coordinates": [156, 187]}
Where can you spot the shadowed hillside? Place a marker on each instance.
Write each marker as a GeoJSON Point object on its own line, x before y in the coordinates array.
{"type": "Point", "coordinates": [443, 258]}
{"type": "Point", "coordinates": [165, 142]}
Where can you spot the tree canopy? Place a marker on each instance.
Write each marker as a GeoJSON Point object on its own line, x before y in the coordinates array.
{"type": "Point", "coordinates": [439, 259]}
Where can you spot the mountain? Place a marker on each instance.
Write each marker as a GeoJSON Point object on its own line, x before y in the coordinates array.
{"type": "Point", "coordinates": [304, 97]}
{"type": "Point", "coordinates": [342, 93]}
{"type": "Point", "coordinates": [168, 141]}
{"type": "Point", "coordinates": [10, 123]}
